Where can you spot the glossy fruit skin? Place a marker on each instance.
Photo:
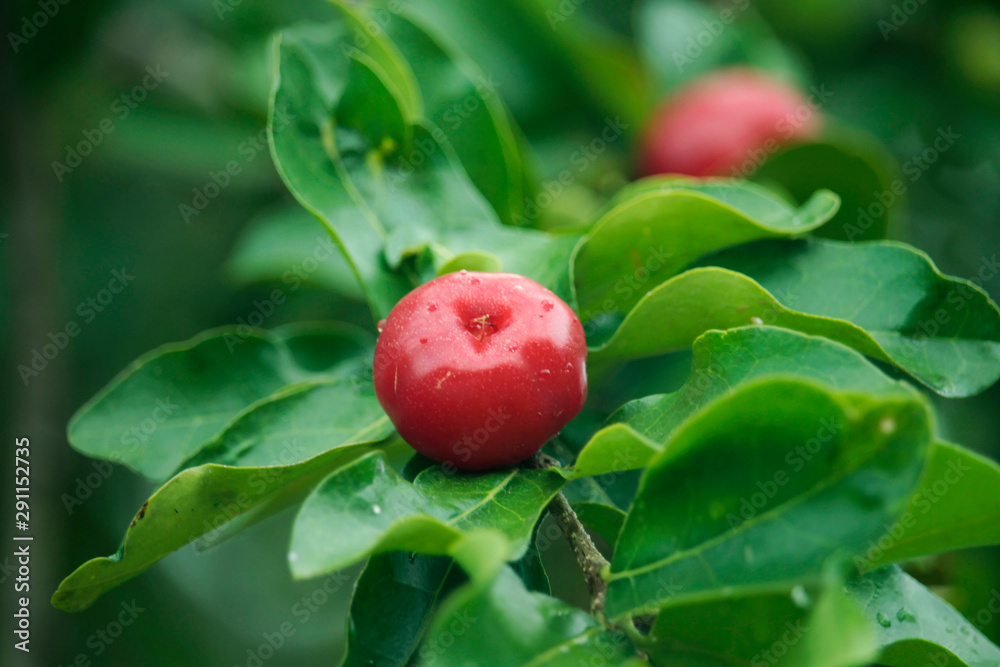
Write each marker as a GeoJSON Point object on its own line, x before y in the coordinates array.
{"type": "Point", "coordinates": [479, 370]}
{"type": "Point", "coordinates": [725, 124]}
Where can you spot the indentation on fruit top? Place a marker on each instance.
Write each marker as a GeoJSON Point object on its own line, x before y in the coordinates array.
{"type": "Point", "coordinates": [482, 320]}
{"type": "Point", "coordinates": [481, 327]}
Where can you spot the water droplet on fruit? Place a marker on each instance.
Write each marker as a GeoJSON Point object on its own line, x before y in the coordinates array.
{"type": "Point", "coordinates": [473, 281]}
{"type": "Point", "coordinates": [904, 615]}
{"type": "Point", "coordinates": [547, 305]}
{"type": "Point", "coordinates": [431, 307]}
{"type": "Point", "coordinates": [882, 620]}
{"type": "Point", "coordinates": [512, 348]}
{"type": "Point", "coordinates": [380, 325]}
{"type": "Point", "coordinates": [756, 320]}
{"type": "Point", "coordinates": [463, 272]}
{"type": "Point", "coordinates": [423, 341]}
{"type": "Point", "coordinates": [545, 371]}
{"type": "Point", "coordinates": [376, 509]}
{"type": "Point", "coordinates": [569, 365]}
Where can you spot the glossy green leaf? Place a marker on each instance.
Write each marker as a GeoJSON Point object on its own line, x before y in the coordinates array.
{"type": "Point", "coordinates": [854, 166]}
{"type": "Point", "coordinates": [169, 403]}
{"type": "Point", "coordinates": [721, 361]}
{"type": "Point", "coordinates": [391, 606]}
{"type": "Point", "coordinates": [282, 449]}
{"type": "Point", "coordinates": [290, 247]}
{"type": "Point", "coordinates": [802, 627]}
{"type": "Point", "coordinates": [503, 623]}
{"type": "Point", "coordinates": [914, 627]}
{"type": "Point", "coordinates": [385, 202]}
{"type": "Point", "coordinates": [463, 101]}
{"type": "Point", "coordinates": [956, 506]}
{"type": "Point", "coordinates": [884, 299]}
{"type": "Point", "coordinates": [761, 488]}
{"type": "Point", "coordinates": [375, 510]}
{"type": "Point", "coordinates": [660, 225]}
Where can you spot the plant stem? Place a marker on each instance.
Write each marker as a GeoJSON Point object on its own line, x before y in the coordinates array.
{"type": "Point", "coordinates": [590, 559]}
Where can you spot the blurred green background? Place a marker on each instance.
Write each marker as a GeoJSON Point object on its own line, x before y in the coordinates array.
{"type": "Point", "coordinates": [902, 71]}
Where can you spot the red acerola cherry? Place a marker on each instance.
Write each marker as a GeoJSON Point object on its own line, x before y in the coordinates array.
{"type": "Point", "coordinates": [725, 124]}
{"type": "Point", "coordinates": [479, 370]}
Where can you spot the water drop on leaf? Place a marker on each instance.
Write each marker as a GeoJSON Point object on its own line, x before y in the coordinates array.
{"type": "Point", "coordinates": [882, 620]}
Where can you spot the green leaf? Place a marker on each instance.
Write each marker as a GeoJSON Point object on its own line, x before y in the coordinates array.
{"type": "Point", "coordinates": [376, 511]}
{"type": "Point", "coordinates": [761, 488]}
{"type": "Point", "coordinates": [195, 504]}
{"type": "Point", "coordinates": [290, 246]}
{"type": "Point", "coordinates": [939, 516]}
{"type": "Point", "coordinates": [286, 447]}
{"type": "Point", "coordinates": [854, 166]}
{"type": "Point", "coordinates": [385, 199]}
{"type": "Point", "coordinates": [914, 627]}
{"type": "Point", "coordinates": [392, 604]}
{"type": "Point", "coordinates": [839, 635]}
{"type": "Point", "coordinates": [806, 627]}
{"type": "Point", "coordinates": [503, 623]}
{"type": "Point", "coordinates": [461, 100]}
{"type": "Point", "coordinates": [660, 225]}
{"type": "Point", "coordinates": [721, 362]}
{"type": "Point", "coordinates": [169, 403]}
{"type": "Point", "coordinates": [884, 299]}
{"type": "Point", "coordinates": [312, 75]}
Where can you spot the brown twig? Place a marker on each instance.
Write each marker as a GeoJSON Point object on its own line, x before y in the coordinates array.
{"type": "Point", "coordinates": [590, 559]}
